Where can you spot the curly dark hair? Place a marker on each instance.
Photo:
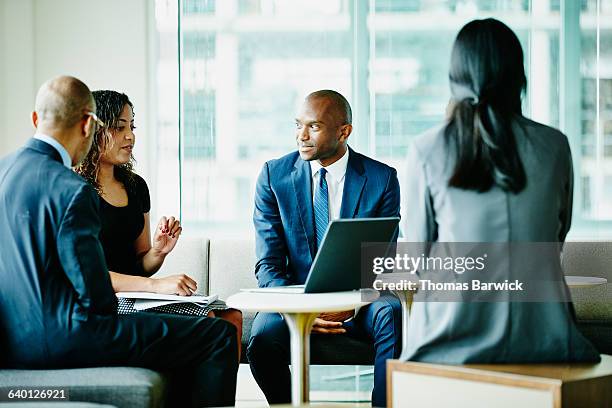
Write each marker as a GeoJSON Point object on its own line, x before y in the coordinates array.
{"type": "Point", "coordinates": [109, 105]}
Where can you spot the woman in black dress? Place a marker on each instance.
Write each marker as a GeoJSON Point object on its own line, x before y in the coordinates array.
{"type": "Point", "coordinates": [130, 254]}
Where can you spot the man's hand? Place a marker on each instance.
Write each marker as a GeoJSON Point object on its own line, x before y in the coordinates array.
{"type": "Point", "coordinates": [327, 327]}
{"type": "Point", "coordinates": [331, 323]}
{"type": "Point", "coordinates": [337, 316]}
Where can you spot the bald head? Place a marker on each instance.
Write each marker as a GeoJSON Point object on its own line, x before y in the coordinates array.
{"type": "Point", "coordinates": [61, 102]}
{"type": "Point", "coordinates": [61, 112]}
{"type": "Point", "coordinates": [338, 106]}
{"type": "Point", "coordinates": [323, 125]}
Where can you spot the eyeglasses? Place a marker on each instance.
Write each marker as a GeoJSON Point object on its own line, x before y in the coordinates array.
{"type": "Point", "coordinates": [99, 123]}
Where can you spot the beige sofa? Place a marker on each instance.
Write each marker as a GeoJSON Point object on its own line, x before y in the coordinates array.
{"type": "Point", "coordinates": [593, 305]}
{"type": "Point", "coordinates": [223, 266]}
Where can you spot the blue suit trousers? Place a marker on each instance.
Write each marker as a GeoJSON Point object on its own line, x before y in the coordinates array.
{"type": "Point", "coordinates": [269, 354]}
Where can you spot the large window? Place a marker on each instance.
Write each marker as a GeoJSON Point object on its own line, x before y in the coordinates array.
{"type": "Point", "coordinates": [231, 74]}
{"type": "Point", "coordinates": [595, 154]}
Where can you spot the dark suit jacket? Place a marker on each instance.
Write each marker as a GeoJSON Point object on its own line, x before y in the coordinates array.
{"type": "Point", "coordinates": [284, 217]}
{"type": "Point", "coordinates": [57, 306]}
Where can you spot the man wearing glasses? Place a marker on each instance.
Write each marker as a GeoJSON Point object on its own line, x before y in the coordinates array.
{"type": "Point", "coordinates": [57, 305]}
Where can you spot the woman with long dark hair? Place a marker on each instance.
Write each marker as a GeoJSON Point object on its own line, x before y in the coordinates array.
{"type": "Point", "coordinates": [490, 175]}
{"type": "Point", "coordinates": [131, 255]}
{"type": "Point", "coordinates": [125, 205]}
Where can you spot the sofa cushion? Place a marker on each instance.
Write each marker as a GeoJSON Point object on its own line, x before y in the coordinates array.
{"type": "Point", "coordinates": [593, 303]}
{"type": "Point", "coordinates": [118, 386]}
{"type": "Point", "coordinates": [190, 256]}
{"type": "Point", "coordinates": [231, 266]}
{"type": "Point", "coordinates": [592, 258]}
{"type": "Point", "coordinates": [588, 258]}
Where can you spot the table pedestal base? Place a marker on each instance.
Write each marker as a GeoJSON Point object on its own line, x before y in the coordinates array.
{"type": "Point", "coordinates": [405, 298]}
{"type": "Point", "coordinates": [300, 325]}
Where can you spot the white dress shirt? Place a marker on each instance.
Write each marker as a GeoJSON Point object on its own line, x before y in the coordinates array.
{"type": "Point", "coordinates": [58, 146]}
{"type": "Point", "coordinates": [335, 183]}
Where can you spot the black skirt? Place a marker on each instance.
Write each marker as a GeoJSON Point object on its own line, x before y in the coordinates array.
{"type": "Point", "coordinates": [126, 306]}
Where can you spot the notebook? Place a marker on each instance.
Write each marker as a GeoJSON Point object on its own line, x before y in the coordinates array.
{"type": "Point", "coordinates": [148, 300]}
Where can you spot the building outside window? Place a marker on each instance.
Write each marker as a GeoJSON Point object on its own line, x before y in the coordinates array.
{"type": "Point", "coordinates": [243, 66]}
{"type": "Point", "coordinates": [231, 74]}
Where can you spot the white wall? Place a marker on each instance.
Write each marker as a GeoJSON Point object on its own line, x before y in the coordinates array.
{"type": "Point", "coordinates": [105, 43]}
{"type": "Point", "coordinates": [2, 76]}
{"type": "Point", "coordinates": [17, 91]}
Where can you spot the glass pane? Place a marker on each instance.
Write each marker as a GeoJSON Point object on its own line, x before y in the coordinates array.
{"type": "Point", "coordinates": [199, 7]}
{"type": "Point", "coordinates": [246, 65]}
{"type": "Point", "coordinates": [166, 198]}
{"type": "Point", "coordinates": [285, 8]}
{"type": "Point", "coordinates": [412, 46]}
{"type": "Point", "coordinates": [596, 113]}
{"type": "Point", "coordinates": [341, 383]}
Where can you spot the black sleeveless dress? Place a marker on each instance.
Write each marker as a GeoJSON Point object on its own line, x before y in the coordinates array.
{"type": "Point", "coordinates": [121, 226]}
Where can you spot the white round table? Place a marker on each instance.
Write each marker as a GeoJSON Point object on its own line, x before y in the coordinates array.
{"type": "Point", "coordinates": [299, 311]}
{"type": "Point", "coordinates": [584, 281]}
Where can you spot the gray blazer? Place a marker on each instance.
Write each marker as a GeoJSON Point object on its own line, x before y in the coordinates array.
{"type": "Point", "coordinates": [454, 332]}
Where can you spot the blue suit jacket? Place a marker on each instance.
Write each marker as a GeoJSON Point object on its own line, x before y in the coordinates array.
{"type": "Point", "coordinates": [284, 217]}
{"type": "Point", "coordinates": [57, 305]}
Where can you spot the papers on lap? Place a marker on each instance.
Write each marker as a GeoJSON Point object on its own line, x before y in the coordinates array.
{"type": "Point", "coordinates": [147, 300]}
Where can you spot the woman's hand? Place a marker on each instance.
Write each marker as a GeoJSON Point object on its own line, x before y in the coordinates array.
{"type": "Point", "coordinates": [181, 285]}
{"type": "Point", "coordinates": [166, 235]}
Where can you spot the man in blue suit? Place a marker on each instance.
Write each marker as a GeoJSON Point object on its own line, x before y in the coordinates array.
{"type": "Point", "coordinates": [57, 305]}
{"type": "Point", "coordinates": [295, 198]}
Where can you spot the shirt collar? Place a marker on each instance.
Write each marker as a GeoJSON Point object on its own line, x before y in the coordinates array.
{"type": "Point", "coordinates": [337, 169]}
{"type": "Point", "coordinates": [58, 146]}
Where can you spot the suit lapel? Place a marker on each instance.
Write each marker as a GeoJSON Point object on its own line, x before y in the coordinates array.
{"type": "Point", "coordinates": [302, 186]}
{"type": "Point", "coordinates": [354, 181]}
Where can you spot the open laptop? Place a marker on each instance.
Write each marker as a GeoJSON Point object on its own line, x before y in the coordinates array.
{"type": "Point", "coordinates": [336, 267]}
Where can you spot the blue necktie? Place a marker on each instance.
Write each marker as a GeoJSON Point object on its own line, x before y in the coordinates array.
{"type": "Point", "coordinates": [321, 207]}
